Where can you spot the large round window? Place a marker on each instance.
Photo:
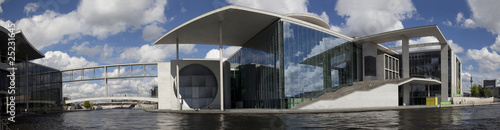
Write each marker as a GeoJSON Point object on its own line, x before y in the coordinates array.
{"type": "Point", "coordinates": [198, 85]}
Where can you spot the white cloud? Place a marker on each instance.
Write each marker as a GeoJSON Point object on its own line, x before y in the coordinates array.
{"type": "Point", "coordinates": [152, 32]}
{"type": "Point", "coordinates": [487, 61]}
{"type": "Point", "coordinates": [104, 51]}
{"type": "Point", "coordinates": [460, 17]}
{"type": "Point", "coordinates": [383, 15]}
{"type": "Point", "coordinates": [470, 67]}
{"type": "Point", "coordinates": [91, 18]}
{"type": "Point", "coordinates": [324, 45]}
{"type": "Point", "coordinates": [447, 23]}
{"type": "Point", "coordinates": [496, 45]}
{"type": "Point", "coordinates": [1, 1]}
{"type": "Point", "coordinates": [61, 60]}
{"type": "Point", "coordinates": [30, 7]}
{"type": "Point", "coordinates": [277, 6]}
{"type": "Point", "coordinates": [325, 17]}
{"type": "Point", "coordinates": [183, 10]}
{"type": "Point", "coordinates": [154, 53]}
{"type": "Point", "coordinates": [280, 6]}
{"type": "Point", "coordinates": [226, 53]}
{"type": "Point", "coordinates": [455, 47]}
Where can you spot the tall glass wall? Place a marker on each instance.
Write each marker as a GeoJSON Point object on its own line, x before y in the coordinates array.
{"type": "Point", "coordinates": [424, 65]}
{"type": "Point", "coordinates": [315, 62]}
{"type": "Point", "coordinates": [287, 63]}
{"type": "Point", "coordinates": [255, 72]}
{"type": "Point", "coordinates": [38, 88]}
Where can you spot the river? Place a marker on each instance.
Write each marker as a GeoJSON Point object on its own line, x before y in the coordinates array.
{"type": "Point", "coordinates": [478, 117]}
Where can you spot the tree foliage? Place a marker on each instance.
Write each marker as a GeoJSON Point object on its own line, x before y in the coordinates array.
{"type": "Point", "coordinates": [86, 104]}
{"type": "Point", "coordinates": [489, 93]}
{"type": "Point", "coordinates": [474, 91]}
{"type": "Point", "coordinates": [481, 91]}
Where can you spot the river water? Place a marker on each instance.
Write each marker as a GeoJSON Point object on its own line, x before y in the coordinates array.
{"type": "Point", "coordinates": [482, 117]}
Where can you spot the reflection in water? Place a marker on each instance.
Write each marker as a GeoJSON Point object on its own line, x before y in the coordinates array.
{"type": "Point", "coordinates": [485, 117]}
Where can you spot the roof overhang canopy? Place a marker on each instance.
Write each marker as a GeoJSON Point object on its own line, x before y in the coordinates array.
{"type": "Point", "coordinates": [24, 50]}
{"type": "Point", "coordinates": [239, 25]}
{"type": "Point", "coordinates": [416, 32]}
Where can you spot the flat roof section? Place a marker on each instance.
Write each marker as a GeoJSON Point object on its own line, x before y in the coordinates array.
{"type": "Point", "coordinates": [422, 31]}
{"type": "Point", "coordinates": [24, 50]}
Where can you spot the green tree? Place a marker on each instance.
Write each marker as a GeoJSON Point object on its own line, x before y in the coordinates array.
{"type": "Point", "coordinates": [86, 104]}
{"type": "Point", "coordinates": [474, 91]}
{"type": "Point", "coordinates": [481, 91]}
{"type": "Point", "coordinates": [489, 93]}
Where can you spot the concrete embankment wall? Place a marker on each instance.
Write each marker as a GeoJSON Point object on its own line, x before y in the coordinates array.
{"type": "Point", "coordinates": [383, 96]}
{"type": "Point", "coordinates": [472, 100]}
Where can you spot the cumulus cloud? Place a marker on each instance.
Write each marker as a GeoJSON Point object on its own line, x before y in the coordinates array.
{"type": "Point", "coordinates": [455, 47]}
{"type": "Point", "coordinates": [30, 8]}
{"type": "Point", "coordinates": [470, 67]}
{"type": "Point", "coordinates": [487, 61]}
{"type": "Point", "coordinates": [154, 53]}
{"type": "Point", "coordinates": [91, 18]}
{"type": "Point", "coordinates": [277, 6]}
{"type": "Point", "coordinates": [460, 17]}
{"type": "Point", "coordinates": [104, 51]}
{"type": "Point", "coordinates": [280, 6]}
{"type": "Point", "coordinates": [226, 53]}
{"type": "Point", "coordinates": [152, 32]}
{"type": "Point", "coordinates": [384, 15]}
{"type": "Point", "coordinates": [61, 60]}
{"type": "Point", "coordinates": [448, 23]}
{"type": "Point", "coordinates": [1, 1]}
{"type": "Point", "coordinates": [496, 45]}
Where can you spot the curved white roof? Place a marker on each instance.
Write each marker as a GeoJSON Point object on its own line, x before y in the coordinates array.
{"type": "Point", "coordinates": [239, 25]}
{"type": "Point", "coordinates": [311, 19]}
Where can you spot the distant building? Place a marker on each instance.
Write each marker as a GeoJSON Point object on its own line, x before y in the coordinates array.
{"type": "Point", "coordinates": [491, 84]}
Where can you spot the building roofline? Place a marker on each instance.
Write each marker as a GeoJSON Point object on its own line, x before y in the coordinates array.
{"type": "Point", "coordinates": [204, 29]}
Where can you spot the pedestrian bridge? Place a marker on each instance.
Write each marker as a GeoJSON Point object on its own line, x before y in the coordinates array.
{"type": "Point", "coordinates": [112, 98]}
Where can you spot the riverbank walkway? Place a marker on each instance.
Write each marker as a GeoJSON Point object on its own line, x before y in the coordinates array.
{"type": "Point", "coordinates": [310, 111]}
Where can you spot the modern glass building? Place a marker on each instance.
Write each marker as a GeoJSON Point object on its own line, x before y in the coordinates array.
{"type": "Point", "coordinates": [311, 63]}
{"type": "Point", "coordinates": [294, 61]}
{"type": "Point", "coordinates": [38, 87]}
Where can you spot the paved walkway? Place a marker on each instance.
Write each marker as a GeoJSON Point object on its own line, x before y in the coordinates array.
{"type": "Point", "coordinates": [310, 111]}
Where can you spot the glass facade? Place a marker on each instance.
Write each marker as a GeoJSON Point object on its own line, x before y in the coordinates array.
{"type": "Point", "coordinates": [38, 88]}
{"type": "Point", "coordinates": [424, 65]}
{"type": "Point", "coordinates": [287, 63]}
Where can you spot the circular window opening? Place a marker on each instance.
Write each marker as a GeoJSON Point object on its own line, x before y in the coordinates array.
{"type": "Point", "coordinates": [197, 85]}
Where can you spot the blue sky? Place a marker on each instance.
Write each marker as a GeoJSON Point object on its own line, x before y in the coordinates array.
{"type": "Point", "coordinates": [74, 34]}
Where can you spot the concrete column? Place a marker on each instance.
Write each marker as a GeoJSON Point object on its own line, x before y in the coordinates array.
{"type": "Point", "coordinates": [444, 73]}
{"type": "Point", "coordinates": [179, 97]}
{"type": "Point", "coordinates": [406, 94]}
{"type": "Point", "coordinates": [221, 88]}
{"type": "Point", "coordinates": [369, 50]}
{"type": "Point", "coordinates": [406, 57]}
{"type": "Point", "coordinates": [453, 73]}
